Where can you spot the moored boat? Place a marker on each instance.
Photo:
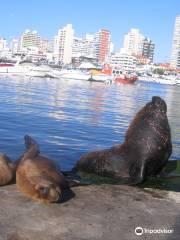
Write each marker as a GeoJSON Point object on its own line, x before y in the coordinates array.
{"type": "Point", "coordinates": [38, 71]}
{"type": "Point", "coordinates": [74, 74]}
{"type": "Point", "coordinates": [101, 77]}
{"type": "Point", "coordinates": [125, 79]}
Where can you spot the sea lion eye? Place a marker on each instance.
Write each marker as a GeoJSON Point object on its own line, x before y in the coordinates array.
{"type": "Point", "coordinates": [44, 191]}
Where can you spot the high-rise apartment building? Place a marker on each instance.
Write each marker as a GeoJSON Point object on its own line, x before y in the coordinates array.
{"type": "Point", "coordinates": [124, 61]}
{"type": "Point", "coordinates": [148, 49]}
{"type": "Point", "coordinates": [85, 47]}
{"type": "Point", "coordinates": [175, 55]}
{"type": "Point", "coordinates": [3, 44]}
{"type": "Point", "coordinates": [137, 44]}
{"type": "Point", "coordinates": [45, 46]}
{"type": "Point", "coordinates": [133, 42]}
{"type": "Point", "coordinates": [14, 45]}
{"type": "Point", "coordinates": [103, 45]}
{"type": "Point", "coordinates": [63, 44]}
{"type": "Point", "coordinates": [78, 48]}
{"type": "Point", "coordinates": [29, 39]}
{"type": "Point", "coordinates": [95, 46]}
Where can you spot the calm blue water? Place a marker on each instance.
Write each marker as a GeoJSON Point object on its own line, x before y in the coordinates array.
{"type": "Point", "coordinates": [69, 118]}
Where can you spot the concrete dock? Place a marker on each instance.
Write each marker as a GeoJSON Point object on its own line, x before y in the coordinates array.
{"type": "Point", "coordinates": [104, 212]}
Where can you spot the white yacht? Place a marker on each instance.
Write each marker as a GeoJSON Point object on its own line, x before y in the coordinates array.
{"type": "Point", "coordinates": [10, 68]}
{"type": "Point", "coordinates": [101, 77]}
{"type": "Point", "coordinates": [74, 74]}
{"type": "Point", "coordinates": [39, 71]}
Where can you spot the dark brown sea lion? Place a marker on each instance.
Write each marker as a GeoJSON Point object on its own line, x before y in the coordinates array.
{"type": "Point", "coordinates": [145, 151]}
{"type": "Point", "coordinates": [38, 177]}
{"type": "Point", "coordinates": [7, 170]}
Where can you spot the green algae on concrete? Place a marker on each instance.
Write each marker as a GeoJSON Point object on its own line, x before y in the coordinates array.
{"type": "Point", "coordinates": [168, 180]}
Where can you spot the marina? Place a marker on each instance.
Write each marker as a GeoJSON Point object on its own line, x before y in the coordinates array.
{"type": "Point", "coordinates": [91, 73]}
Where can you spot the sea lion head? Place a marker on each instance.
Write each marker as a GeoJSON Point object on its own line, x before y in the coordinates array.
{"type": "Point", "coordinates": [159, 104]}
{"type": "Point", "coordinates": [48, 192]}
{"type": "Point", "coordinates": [156, 106]}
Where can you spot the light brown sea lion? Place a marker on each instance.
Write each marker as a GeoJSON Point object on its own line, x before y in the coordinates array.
{"type": "Point", "coordinates": [145, 151]}
{"type": "Point", "coordinates": [7, 170]}
{"type": "Point", "coordinates": [38, 177]}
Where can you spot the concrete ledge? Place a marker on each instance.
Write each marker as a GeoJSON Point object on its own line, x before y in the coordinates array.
{"type": "Point", "coordinates": [106, 212]}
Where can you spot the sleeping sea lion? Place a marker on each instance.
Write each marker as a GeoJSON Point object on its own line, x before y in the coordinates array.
{"type": "Point", "coordinates": [38, 177]}
{"type": "Point", "coordinates": [145, 151]}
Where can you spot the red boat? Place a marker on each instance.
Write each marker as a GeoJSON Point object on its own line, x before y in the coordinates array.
{"type": "Point", "coordinates": [6, 65]}
{"type": "Point", "coordinates": [125, 79]}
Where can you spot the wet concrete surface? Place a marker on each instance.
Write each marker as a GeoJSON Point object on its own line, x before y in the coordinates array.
{"type": "Point", "coordinates": [105, 212]}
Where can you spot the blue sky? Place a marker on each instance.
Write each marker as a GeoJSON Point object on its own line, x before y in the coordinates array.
{"type": "Point", "coordinates": [154, 18]}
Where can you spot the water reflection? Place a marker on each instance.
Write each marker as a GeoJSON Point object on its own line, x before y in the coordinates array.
{"type": "Point", "coordinates": [69, 118]}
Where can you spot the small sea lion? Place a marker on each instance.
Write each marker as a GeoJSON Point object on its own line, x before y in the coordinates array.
{"type": "Point", "coordinates": [7, 170]}
{"type": "Point", "coordinates": [38, 177]}
{"type": "Point", "coordinates": [145, 151]}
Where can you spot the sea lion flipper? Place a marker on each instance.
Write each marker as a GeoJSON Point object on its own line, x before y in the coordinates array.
{"type": "Point", "coordinates": [6, 170]}
{"type": "Point", "coordinates": [77, 183]}
{"type": "Point", "coordinates": [29, 142]}
{"type": "Point", "coordinates": [137, 175]}
{"type": "Point", "coordinates": [31, 146]}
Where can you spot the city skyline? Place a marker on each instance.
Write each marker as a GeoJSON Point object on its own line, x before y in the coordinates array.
{"type": "Point", "coordinates": [154, 19]}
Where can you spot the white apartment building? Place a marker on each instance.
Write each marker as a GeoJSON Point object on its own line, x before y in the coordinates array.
{"type": "Point", "coordinates": [84, 46]}
{"type": "Point", "coordinates": [3, 44]}
{"type": "Point", "coordinates": [45, 46]}
{"type": "Point", "coordinates": [4, 49]}
{"type": "Point", "coordinates": [175, 55]}
{"type": "Point", "coordinates": [138, 45]}
{"type": "Point", "coordinates": [123, 61]}
{"type": "Point", "coordinates": [96, 46]}
{"type": "Point", "coordinates": [78, 47]}
{"type": "Point", "coordinates": [63, 43]}
{"type": "Point", "coordinates": [29, 39]}
{"type": "Point", "coordinates": [133, 42]}
{"type": "Point", "coordinates": [14, 45]}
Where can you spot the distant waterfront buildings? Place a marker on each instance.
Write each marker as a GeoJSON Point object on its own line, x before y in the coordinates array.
{"type": "Point", "coordinates": [138, 45]}
{"type": "Point", "coordinates": [148, 49]}
{"type": "Point", "coordinates": [96, 46]}
{"type": "Point", "coordinates": [66, 48]}
{"type": "Point", "coordinates": [14, 45]}
{"type": "Point", "coordinates": [84, 47]}
{"type": "Point", "coordinates": [4, 50]}
{"type": "Point", "coordinates": [3, 44]}
{"type": "Point", "coordinates": [133, 42]}
{"type": "Point", "coordinates": [123, 61]}
{"type": "Point", "coordinates": [175, 55]}
{"type": "Point", "coordinates": [102, 45]}
{"type": "Point", "coordinates": [29, 39]}
{"type": "Point", "coordinates": [63, 44]}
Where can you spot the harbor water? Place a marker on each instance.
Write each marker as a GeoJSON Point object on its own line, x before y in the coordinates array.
{"type": "Point", "coordinates": [70, 118]}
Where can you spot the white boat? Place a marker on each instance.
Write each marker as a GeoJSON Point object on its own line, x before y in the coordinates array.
{"type": "Point", "coordinates": [169, 80]}
{"type": "Point", "coordinates": [147, 79]}
{"type": "Point", "coordinates": [161, 80]}
{"type": "Point", "coordinates": [39, 71]}
{"type": "Point", "coordinates": [101, 77]}
{"type": "Point", "coordinates": [74, 74]}
{"type": "Point", "coordinates": [10, 68]}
